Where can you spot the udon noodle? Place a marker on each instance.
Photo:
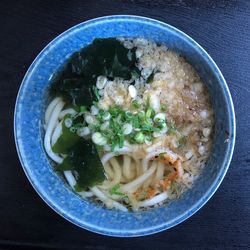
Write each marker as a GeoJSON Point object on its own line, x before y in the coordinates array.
{"type": "Point", "coordinates": [153, 164]}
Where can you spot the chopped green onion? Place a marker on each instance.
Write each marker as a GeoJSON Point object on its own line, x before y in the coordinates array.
{"type": "Point", "coordinates": [163, 107]}
{"type": "Point", "coordinates": [139, 137]}
{"type": "Point", "coordinates": [104, 126]}
{"type": "Point", "coordinates": [115, 111]}
{"type": "Point", "coordinates": [68, 122]}
{"type": "Point", "coordinates": [106, 116]}
{"type": "Point", "coordinates": [113, 145]}
{"type": "Point", "coordinates": [136, 123]}
{"type": "Point", "coordinates": [99, 139]}
{"type": "Point", "coordinates": [96, 127]}
{"type": "Point", "coordinates": [127, 128]}
{"type": "Point", "coordinates": [141, 115]}
{"type": "Point", "coordinates": [148, 128]}
{"type": "Point", "coordinates": [72, 129]}
{"type": "Point", "coordinates": [149, 112]}
{"type": "Point", "coordinates": [128, 115]}
{"type": "Point", "coordinates": [136, 104]}
{"type": "Point", "coordinates": [94, 110]}
{"type": "Point", "coordinates": [148, 139]}
{"type": "Point", "coordinates": [83, 109]}
{"type": "Point", "coordinates": [115, 190]}
{"type": "Point", "coordinates": [95, 90]}
{"type": "Point", "coordinates": [89, 119]}
{"type": "Point", "coordinates": [83, 131]}
{"type": "Point", "coordinates": [121, 141]}
{"type": "Point", "coordinates": [162, 124]}
{"type": "Point", "coordinates": [159, 118]}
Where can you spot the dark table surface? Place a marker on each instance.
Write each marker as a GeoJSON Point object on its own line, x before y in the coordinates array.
{"type": "Point", "coordinates": [221, 27]}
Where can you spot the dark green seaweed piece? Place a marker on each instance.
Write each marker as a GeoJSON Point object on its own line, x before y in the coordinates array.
{"type": "Point", "coordinates": [83, 158]}
{"type": "Point", "coordinates": [66, 141]}
{"type": "Point", "coordinates": [103, 57]}
{"type": "Point", "coordinates": [81, 155]}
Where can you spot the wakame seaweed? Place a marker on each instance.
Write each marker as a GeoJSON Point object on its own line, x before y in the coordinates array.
{"type": "Point", "coordinates": [83, 158]}
{"type": "Point", "coordinates": [75, 83]}
{"type": "Point", "coordinates": [67, 139]}
{"type": "Point", "coordinates": [106, 57]}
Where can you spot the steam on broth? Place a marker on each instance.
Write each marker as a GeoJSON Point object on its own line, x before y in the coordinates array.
{"type": "Point", "coordinates": [130, 123]}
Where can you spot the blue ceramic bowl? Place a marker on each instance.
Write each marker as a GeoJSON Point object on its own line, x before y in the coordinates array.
{"type": "Point", "coordinates": [33, 98]}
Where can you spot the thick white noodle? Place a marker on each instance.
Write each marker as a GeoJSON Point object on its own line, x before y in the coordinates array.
{"type": "Point", "coordinates": [110, 155]}
{"type": "Point", "coordinates": [72, 182]}
{"type": "Point", "coordinates": [132, 170]}
{"type": "Point", "coordinates": [106, 200]}
{"type": "Point", "coordinates": [50, 108]}
{"type": "Point", "coordinates": [50, 127]}
{"type": "Point", "coordinates": [126, 167]}
{"type": "Point", "coordinates": [138, 167]}
{"type": "Point", "coordinates": [124, 179]}
{"type": "Point", "coordinates": [133, 185]}
{"type": "Point", "coordinates": [56, 134]}
{"type": "Point", "coordinates": [86, 194]}
{"type": "Point", "coordinates": [109, 171]}
{"type": "Point", "coordinates": [107, 157]}
{"type": "Point", "coordinates": [117, 171]}
{"type": "Point", "coordinates": [153, 201]}
{"type": "Point", "coordinates": [157, 152]}
{"type": "Point", "coordinates": [147, 183]}
{"type": "Point", "coordinates": [65, 112]}
{"type": "Point", "coordinates": [70, 178]}
{"type": "Point", "coordinates": [159, 171]}
{"type": "Point", "coordinates": [153, 147]}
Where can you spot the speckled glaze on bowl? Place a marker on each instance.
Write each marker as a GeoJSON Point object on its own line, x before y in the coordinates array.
{"type": "Point", "coordinates": [28, 128]}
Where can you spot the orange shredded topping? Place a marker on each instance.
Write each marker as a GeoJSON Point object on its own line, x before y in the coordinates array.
{"type": "Point", "coordinates": [166, 159]}
{"type": "Point", "coordinates": [151, 192]}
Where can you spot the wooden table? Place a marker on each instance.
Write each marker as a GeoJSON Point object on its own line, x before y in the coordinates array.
{"type": "Point", "coordinates": [221, 27]}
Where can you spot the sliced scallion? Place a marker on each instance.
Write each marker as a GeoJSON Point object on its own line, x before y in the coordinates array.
{"type": "Point", "coordinates": [128, 115]}
{"type": "Point", "coordinates": [136, 104]}
{"type": "Point", "coordinates": [163, 107]}
{"type": "Point", "coordinates": [149, 112]}
{"type": "Point", "coordinates": [159, 118]}
{"type": "Point", "coordinates": [95, 91]}
{"type": "Point", "coordinates": [72, 129]}
{"type": "Point", "coordinates": [127, 128]}
{"type": "Point", "coordinates": [106, 116]}
{"type": "Point", "coordinates": [68, 122]}
{"type": "Point", "coordinates": [99, 139]}
{"type": "Point", "coordinates": [141, 115]}
{"type": "Point", "coordinates": [83, 109]}
{"type": "Point", "coordinates": [83, 131]}
{"type": "Point", "coordinates": [139, 137]}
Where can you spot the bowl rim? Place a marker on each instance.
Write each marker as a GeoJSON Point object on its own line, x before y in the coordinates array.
{"type": "Point", "coordinates": [210, 191]}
